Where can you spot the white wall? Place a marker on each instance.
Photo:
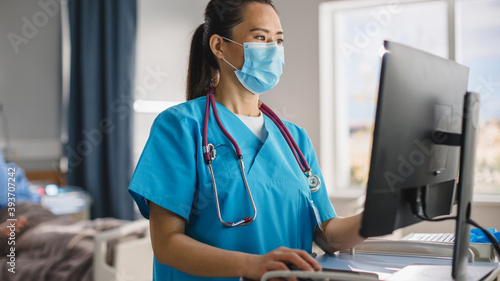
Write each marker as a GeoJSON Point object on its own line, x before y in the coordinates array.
{"type": "Point", "coordinates": [30, 71]}
{"type": "Point", "coordinates": [164, 34]}
{"type": "Point", "coordinates": [163, 40]}
{"type": "Point", "coordinates": [296, 98]}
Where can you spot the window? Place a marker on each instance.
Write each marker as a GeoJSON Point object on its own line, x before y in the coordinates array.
{"type": "Point", "coordinates": [480, 38]}
{"type": "Point", "coordinates": [351, 35]}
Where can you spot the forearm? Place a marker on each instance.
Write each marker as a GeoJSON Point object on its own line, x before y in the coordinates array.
{"type": "Point", "coordinates": [174, 248]}
{"type": "Point", "coordinates": [341, 233]}
{"type": "Point", "coordinates": [195, 258]}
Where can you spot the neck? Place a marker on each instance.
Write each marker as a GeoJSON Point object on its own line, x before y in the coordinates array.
{"type": "Point", "coordinates": [237, 99]}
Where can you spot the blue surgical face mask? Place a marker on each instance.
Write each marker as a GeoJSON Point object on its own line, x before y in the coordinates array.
{"type": "Point", "coordinates": [263, 65]}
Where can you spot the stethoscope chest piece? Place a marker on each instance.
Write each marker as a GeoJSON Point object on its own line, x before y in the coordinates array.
{"type": "Point", "coordinates": [211, 151]}
{"type": "Point", "coordinates": [313, 181]}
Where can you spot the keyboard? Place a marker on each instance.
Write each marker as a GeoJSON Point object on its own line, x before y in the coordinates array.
{"type": "Point", "coordinates": [431, 237]}
{"type": "Point", "coordinates": [424, 245]}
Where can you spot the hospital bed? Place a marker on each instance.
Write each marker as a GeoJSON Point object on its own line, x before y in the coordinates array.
{"type": "Point", "coordinates": [52, 248]}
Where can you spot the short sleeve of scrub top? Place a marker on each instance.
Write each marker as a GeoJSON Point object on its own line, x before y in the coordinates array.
{"type": "Point", "coordinates": [171, 142]}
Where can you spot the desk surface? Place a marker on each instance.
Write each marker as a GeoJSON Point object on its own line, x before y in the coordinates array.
{"type": "Point", "coordinates": [385, 265]}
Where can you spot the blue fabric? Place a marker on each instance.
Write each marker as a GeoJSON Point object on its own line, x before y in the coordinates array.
{"type": "Point", "coordinates": [99, 148]}
{"type": "Point", "coordinates": [478, 236]}
{"type": "Point", "coordinates": [171, 173]}
{"type": "Point", "coordinates": [13, 174]}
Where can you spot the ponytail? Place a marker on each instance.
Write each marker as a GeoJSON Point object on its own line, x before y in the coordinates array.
{"type": "Point", "coordinates": [221, 16]}
{"type": "Point", "coordinates": [200, 73]}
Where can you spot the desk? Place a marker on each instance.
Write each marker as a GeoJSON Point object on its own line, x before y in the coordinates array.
{"type": "Point", "coordinates": [387, 266]}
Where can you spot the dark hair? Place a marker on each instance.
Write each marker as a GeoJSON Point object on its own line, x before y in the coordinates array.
{"type": "Point", "coordinates": [221, 16]}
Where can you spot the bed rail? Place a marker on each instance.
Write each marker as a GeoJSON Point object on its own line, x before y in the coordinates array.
{"type": "Point", "coordinates": [133, 260]}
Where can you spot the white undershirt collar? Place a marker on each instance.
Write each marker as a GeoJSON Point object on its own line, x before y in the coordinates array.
{"type": "Point", "coordinates": [255, 124]}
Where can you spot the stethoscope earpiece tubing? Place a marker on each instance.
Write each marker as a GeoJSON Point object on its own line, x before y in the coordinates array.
{"type": "Point", "coordinates": [288, 137]}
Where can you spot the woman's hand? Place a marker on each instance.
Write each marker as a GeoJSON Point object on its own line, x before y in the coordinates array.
{"type": "Point", "coordinates": [173, 248]}
{"type": "Point", "coordinates": [278, 259]}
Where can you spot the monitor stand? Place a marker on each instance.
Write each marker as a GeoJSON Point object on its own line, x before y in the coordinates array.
{"type": "Point", "coordinates": [465, 185]}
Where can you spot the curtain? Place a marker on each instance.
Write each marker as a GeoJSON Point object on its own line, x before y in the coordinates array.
{"type": "Point", "coordinates": [99, 148]}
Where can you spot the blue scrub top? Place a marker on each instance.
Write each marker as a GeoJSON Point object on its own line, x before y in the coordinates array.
{"type": "Point", "coordinates": [171, 173]}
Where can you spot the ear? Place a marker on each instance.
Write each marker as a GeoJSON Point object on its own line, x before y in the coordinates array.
{"type": "Point", "coordinates": [216, 45]}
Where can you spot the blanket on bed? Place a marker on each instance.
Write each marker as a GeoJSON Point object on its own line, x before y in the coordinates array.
{"type": "Point", "coordinates": [50, 248]}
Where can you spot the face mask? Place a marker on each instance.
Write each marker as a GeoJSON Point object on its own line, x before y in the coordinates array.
{"type": "Point", "coordinates": [263, 65]}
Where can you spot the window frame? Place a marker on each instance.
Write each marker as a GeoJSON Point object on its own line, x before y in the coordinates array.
{"type": "Point", "coordinates": [333, 109]}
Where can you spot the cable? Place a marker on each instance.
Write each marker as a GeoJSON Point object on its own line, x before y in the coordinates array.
{"type": "Point", "coordinates": [418, 207]}
{"type": "Point", "coordinates": [435, 220]}
{"type": "Point", "coordinates": [492, 238]}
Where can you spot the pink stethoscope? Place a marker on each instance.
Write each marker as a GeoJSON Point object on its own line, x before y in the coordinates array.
{"type": "Point", "coordinates": [210, 153]}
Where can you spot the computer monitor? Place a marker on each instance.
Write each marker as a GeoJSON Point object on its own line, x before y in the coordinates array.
{"type": "Point", "coordinates": [422, 156]}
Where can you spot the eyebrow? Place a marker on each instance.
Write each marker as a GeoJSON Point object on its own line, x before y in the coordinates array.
{"type": "Point", "coordinates": [264, 30]}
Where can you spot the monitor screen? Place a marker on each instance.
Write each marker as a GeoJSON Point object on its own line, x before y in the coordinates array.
{"type": "Point", "coordinates": [413, 170]}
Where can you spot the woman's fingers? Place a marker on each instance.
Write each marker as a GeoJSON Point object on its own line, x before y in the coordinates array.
{"type": "Point", "coordinates": [278, 265]}
{"type": "Point", "coordinates": [313, 262]}
{"type": "Point", "coordinates": [299, 258]}
{"type": "Point", "coordinates": [279, 259]}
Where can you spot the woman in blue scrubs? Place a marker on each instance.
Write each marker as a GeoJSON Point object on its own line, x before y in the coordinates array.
{"type": "Point", "coordinates": [173, 187]}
